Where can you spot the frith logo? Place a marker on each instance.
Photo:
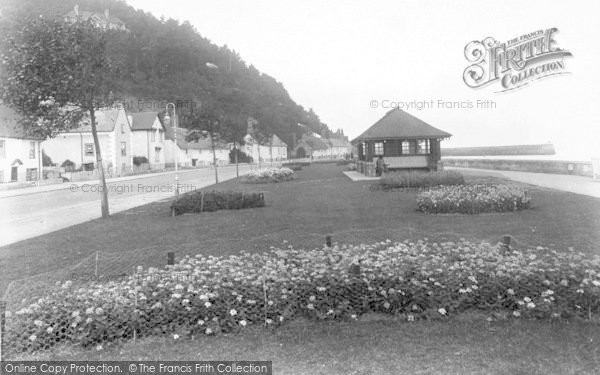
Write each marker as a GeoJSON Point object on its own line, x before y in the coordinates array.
{"type": "Point", "coordinates": [515, 63]}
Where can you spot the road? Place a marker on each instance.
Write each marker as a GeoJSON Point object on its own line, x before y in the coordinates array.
{"type": "Point", "coordinates": [34, 213]}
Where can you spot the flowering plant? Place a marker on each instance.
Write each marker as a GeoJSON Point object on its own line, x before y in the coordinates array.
{"type": "Point", "coordinates": [473, 199]}
{"type": "Point", "coordinates": [269, 175]}
{"type": "Point", "coordinates": [208, 294]}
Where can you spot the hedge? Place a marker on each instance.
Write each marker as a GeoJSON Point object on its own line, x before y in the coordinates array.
{"type": "Point", "coordinates": [415, 179]}
{"type": "Point", "coordinates": [207, 201]}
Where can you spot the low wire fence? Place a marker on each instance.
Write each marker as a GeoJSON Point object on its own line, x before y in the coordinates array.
{"type": "Point", "coordinates": [110, 297]}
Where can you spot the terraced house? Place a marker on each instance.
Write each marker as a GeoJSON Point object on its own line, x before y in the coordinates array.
{"type": "Point", "coordinates": [148, 138]}
{"type": "Point", "coordinates": [20, 155]}
{"type": "Point", "coordinates": [404, 142]}
{"type": "Point", "coordinates": [77, 145]}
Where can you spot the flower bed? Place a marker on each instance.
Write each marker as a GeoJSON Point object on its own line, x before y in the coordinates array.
{"type": "Point", "coordinates": [209, 295]}
{"type": "Point", "coordinates": [473, 199]}
{"type": "Point", "coordinates": [414, 179]}
{"type": "Point", "coordinates": [269, 175]}
{"type": "Point", "coordinates": [207, 201]}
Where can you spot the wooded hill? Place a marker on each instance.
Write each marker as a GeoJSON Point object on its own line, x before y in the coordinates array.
{"type": "Point", "coordinates": [167, 61]}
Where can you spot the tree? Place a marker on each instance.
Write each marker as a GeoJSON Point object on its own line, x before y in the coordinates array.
{"type": "Point", "coordinates": [55, 74]}
{"type": "Point", "coordinates": [234, 129]}
{"type": "Point", "coordinates": [207, 124]}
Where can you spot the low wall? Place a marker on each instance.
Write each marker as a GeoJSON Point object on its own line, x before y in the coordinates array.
{"type": "Point", "coordinates": [539, 166]}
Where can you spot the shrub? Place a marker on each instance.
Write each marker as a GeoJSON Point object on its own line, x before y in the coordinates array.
{"type": "Point", "coordinates": [139, 160]}
{"type": "Point", "coordinates": [417, 179]}
{"type": "Point", "coordinates": [269, 175]}
{"type": "Point", "coordinates": [46, 160]}
{"type": "Point", "coordinates": [68, 165]}
{"type": "Point", "coordinates": [201, 201]}
{"type": "Point", "coordinates": [242, 156]}
{"type": "Point", "coordinates": [473, 199]}
{"type": "Point", "coordinates": [207, 294]}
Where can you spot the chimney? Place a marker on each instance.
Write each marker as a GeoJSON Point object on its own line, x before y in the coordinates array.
{"type": "Point", "coordinates": [76, 9]}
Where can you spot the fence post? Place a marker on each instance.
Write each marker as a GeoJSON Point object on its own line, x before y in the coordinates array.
{"type": "Point", "coordinates": [506, 242]}
{"type": "Point", "coordinates": [2, 330]}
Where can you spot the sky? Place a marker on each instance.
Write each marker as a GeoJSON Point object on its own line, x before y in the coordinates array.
{"type": "Point", "coordinates": [351, 60]}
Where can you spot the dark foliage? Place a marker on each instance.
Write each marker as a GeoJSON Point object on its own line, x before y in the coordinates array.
{"type": "Point", "coordinates": [139, 160]}
{"type": "Point", "coordinates": [165, 60]}
{"type": "Point", "coordinates": [208, 201]}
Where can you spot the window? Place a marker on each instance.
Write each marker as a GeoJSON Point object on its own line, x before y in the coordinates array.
{"type": "Point", "coordinates": [378, 148]}
{"type": "Point", "coordinates": [2, 148]}
{"type": "Point", "coordinates": [423, 146]}
{"type": "Point", "coordinates": [405, 147]}
{"type": "Point", "coordinates": [88, 149]}
{"type": "Point", "coordinates": [122, 128]}
{"type": "Point", "coordinates": [31, 150]}
{"type": "Point", "coordinates": [157, 154]}
{"type": "Point", "coordinates": [31, 174]}
{"type": "Point", "coordinates": [123, 148]}
{"type": "Point", "coordinates": [152, 136]}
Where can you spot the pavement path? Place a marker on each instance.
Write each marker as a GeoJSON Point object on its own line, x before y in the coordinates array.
{"type": "Point", "coordinates": [572, 184]}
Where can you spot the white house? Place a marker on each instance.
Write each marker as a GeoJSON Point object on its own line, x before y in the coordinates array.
{"type": "Point", "coordinates": [273, 150]}
{"type": "Point", "coordinates": [148, 138]}
{"type": "Point", "coordinates": [339, 148]}
{"type": "Point", "coordinates": [77, 145]}
{"type": "Point", "coordinates": [193, 153]}
{"type": "Point", "coordinates": [20, 155]}
{"type": "Point", "coordinates": [102, 21]}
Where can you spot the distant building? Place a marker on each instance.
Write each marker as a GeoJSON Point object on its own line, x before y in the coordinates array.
{"type": "Point", "coordinates": [148, 138]}
{"type": "Point", "coordinates": [311, 146]}
{"type": "Point", "coordinates": [273, 149]}
{"type": "Point", "coordinates": [340, 148]}
{"type": "Point", "coordinates": [195, 153]}
{"type": "Point", "coordinates": [101, 20]}
{"type": "Point", "coordinates": [77, 145]}
{"type": "Point", "coordinates": [404, 141]}
{"type": "Point", "coordinates": [20, 155]}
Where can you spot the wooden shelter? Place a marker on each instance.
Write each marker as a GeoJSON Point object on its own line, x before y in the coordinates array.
{"type": "Point", "coordinates": [404, 141]}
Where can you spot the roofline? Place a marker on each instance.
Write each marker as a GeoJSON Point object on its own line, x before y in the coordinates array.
{"type": "Point", "coordinates": [26, 138]}
{"type": "Point", "coordinates": [400, 138]}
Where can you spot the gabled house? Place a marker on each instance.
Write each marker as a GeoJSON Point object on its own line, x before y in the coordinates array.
{"type": "Point", "coordinates": [194, 153]}
{"type": "Point", "coordinates": [148, 138]}
{"type": "Point", "coordinates": [340, 148]}
{"type": "Point", "coordinates": [20, 154]}
{"type": "Point", "coordinates": [404, 142]}
{"type": "Point", "coordinates": [272, 150]}
{"type": "Point", "coordinates": [278, 148]}
{"type": "Point", "coordinates": [77, 145]}
{"type": "Point", "coordinates": [100, 20]}
{"type": "Point", "coordinates": [311, 146]}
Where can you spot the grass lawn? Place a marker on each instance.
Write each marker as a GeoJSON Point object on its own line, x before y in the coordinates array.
{"type": "Point", "coordinates": [321, 201]}
{"type": "Point", "coordinates": [302, 212]}
{"type": "Point", "coordinates": [465, 345]}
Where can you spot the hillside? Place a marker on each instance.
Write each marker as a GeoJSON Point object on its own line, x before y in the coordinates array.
{"type": "Point", "coordinates": [165, 60]}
